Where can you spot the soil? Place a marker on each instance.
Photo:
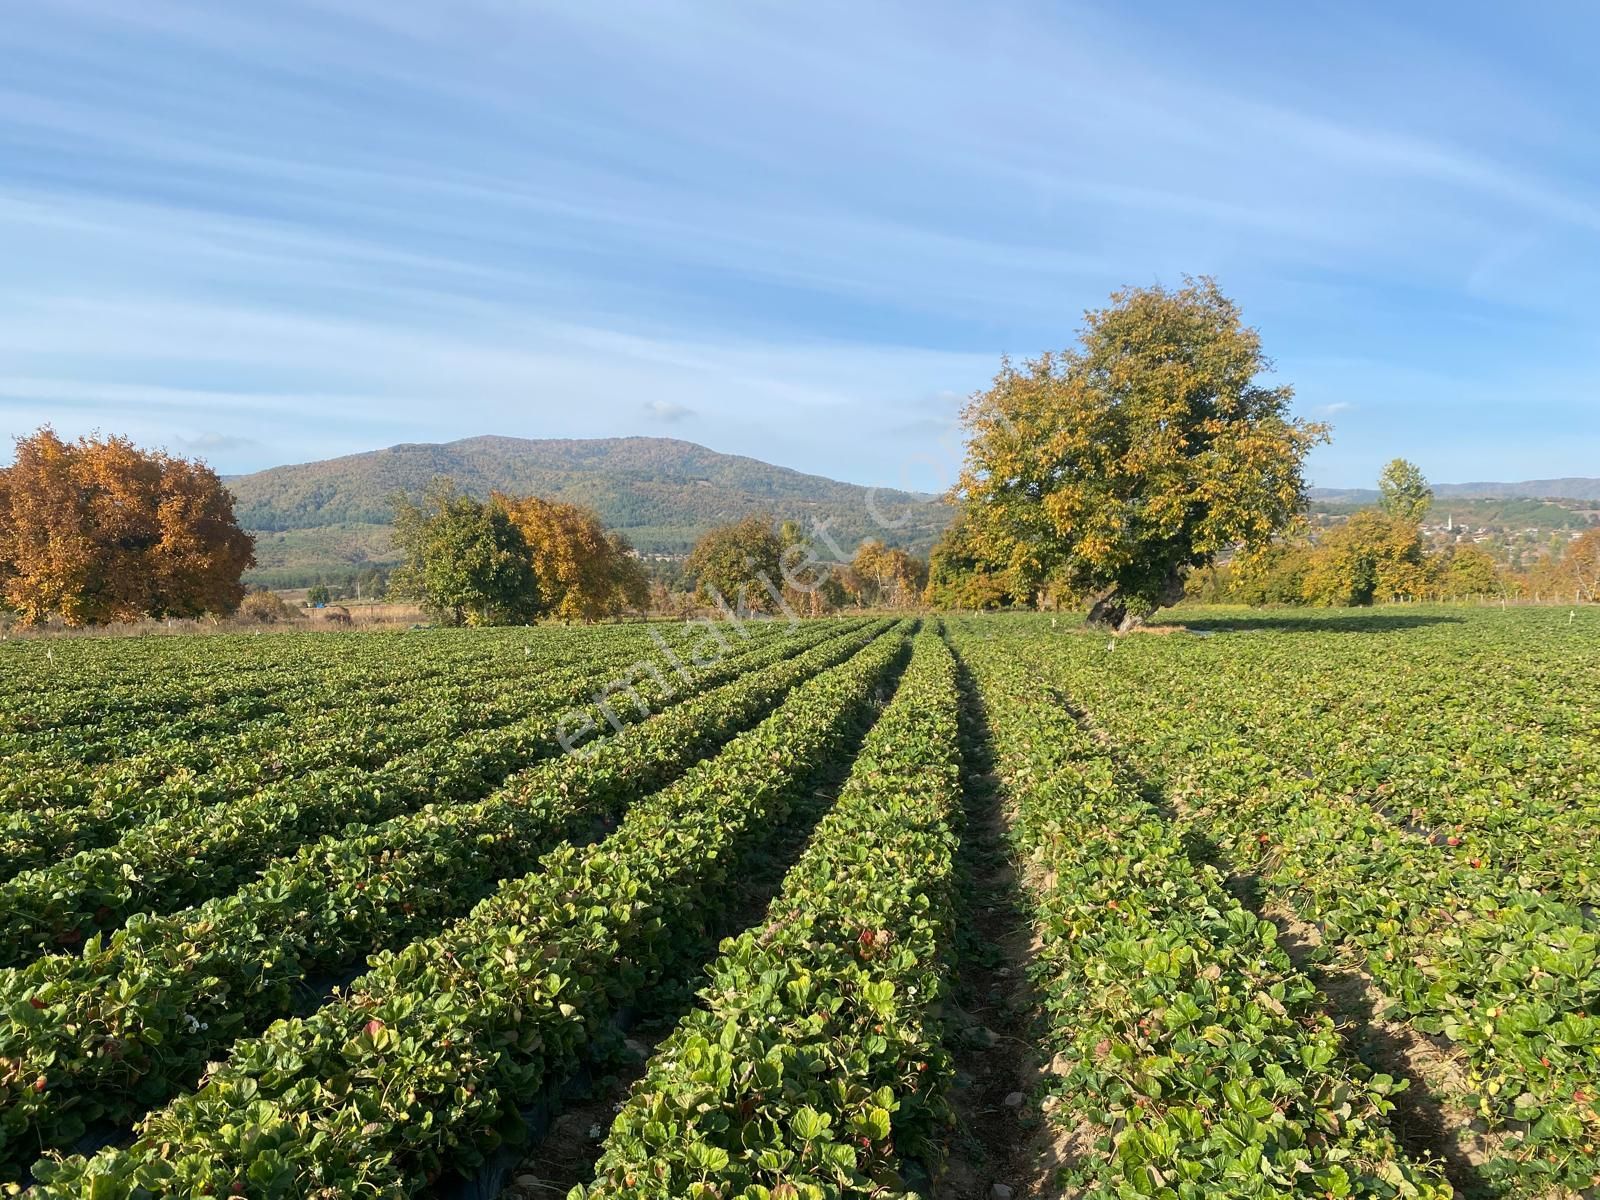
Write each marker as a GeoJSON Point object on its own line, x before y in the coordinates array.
{"type": "Point", "coordinates": [1002, 1139]}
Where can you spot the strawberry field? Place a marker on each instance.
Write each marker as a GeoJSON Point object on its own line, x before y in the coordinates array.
{"type": "Point", "coordinates": [961, 907]}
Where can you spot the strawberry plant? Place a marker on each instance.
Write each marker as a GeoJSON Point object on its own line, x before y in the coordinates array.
{"type": "Point", "coordinates": [1190, 1054]}
{"type": "Point", "coordinates": [423, 1066]}
{"type": "Point", "coordinates": [195, 853]}
{"type": "Point", "coordinates": [814, 1062]}
{"type": "Point", "coordinates": [135, 1017]}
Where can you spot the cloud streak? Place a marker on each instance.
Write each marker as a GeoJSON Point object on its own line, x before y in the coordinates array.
{"type": "Point", "coordinates": [390, 223]}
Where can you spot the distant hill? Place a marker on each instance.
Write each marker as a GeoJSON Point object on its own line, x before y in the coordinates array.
{"type": "Point", "coordinates": [1532, 489]}
{"type": "Point", "coordinates": [661, 492]}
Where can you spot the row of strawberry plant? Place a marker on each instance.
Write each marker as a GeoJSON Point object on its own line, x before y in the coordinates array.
{"type": "Point", "coordinates": [77, 692]}
{"type": "Point", "coordinates": [357, 737]}
{"type": "Point", "coordinates": [320, 688]}
{"type": "Point", "coordinates": [814, 1063]}
{"type": "Point", "coordinates": [1193, 1059]}
{"type": "Point", "coordinates": [1510, 976]}
{"type": "Point", "coordinates": [192, 855]}
{"type": "Point", "coordinates": [425, 1064]}
{"type": "Point", "coordinates": [1517, 789]}
{"type": "Point", "coordinates": [79, 716]}
{"type": "Point", "coordinates": [132, 1019]}
{"type": "Point", "coordinates": [86, 750]}
{"type": "Point", "coordinates": [363, 734]}
{"type": "Point", "coordinates": [228, 710]}
{"type": "Point", "coordinates": [1483, 739]}
{"type": "Point", "coordinates": [72, 686]}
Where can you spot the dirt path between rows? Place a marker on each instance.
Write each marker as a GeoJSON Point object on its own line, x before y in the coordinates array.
{"type": "Point", "coordinates": [1001, 1148]}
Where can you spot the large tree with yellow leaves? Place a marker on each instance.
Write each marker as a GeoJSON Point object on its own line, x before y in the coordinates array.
{"type": "Point", "coordinates": [584, 572]}
{"type": "Point", "coordinates": [1109, 470]}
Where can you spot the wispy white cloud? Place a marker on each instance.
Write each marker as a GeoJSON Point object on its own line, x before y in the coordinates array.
{"type": "Point", "coordinates": [211, 442]}
{"type": "Point", "coordinates": [667, 412]}
{"type": "Point", "coordinates": [466, 368]}
{"type": "Point", "coordinates": [388, 220]}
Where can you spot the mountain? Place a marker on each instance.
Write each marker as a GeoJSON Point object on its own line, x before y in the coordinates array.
{"type": "Point", "coordinates": [662, 493]}
{"type": "Point", "coordinates": [1531, 489]}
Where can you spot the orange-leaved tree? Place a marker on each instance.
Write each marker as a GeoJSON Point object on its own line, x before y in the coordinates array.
{"type": "Point", "coordinates": [98, 530]}
{"type": "Point", "coordinates": [584, 573]}
{"type": "Point", "coordinates": [1580, 567]}
{"type": "Point", "coordinates": [887, 576]}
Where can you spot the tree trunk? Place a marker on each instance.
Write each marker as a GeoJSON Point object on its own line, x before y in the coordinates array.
{"type": "Point", "coordinates": [1111, 611]}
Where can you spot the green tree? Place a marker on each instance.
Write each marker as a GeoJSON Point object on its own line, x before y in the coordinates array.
{"type": "Point", "coordinates": [1403, 492]}
{"type": "Point", "coordinates": [739, 563]}
{"type": "Point", "coordinates": [370, 583]}
{"type": "Point", "coordinates": [465, 560]}
{"type": "Point", "coordinates": [959, 576]}
{"type": "Point", "coordinates": [318, 594]}
{"type": "Point", "coordinates": [1109, 470]}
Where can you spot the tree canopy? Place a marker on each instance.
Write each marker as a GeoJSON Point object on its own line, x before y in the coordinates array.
{"type": "Point", "coordinates": [1371, 557]}
{"type": "Point", "coordinates": [887, 576]}
{"type": "Point", "coordinates": [465, 560]}
{"type": "Point", "coordinates": [583, 572]}
{"type": "Point", "coordinates": [958, 574]}
{"type": "Point", "coordinates": [1470, 571]}
{"type": "Point", "coordinates": [1403, 492]}
{"type": "Point", "coordinates": [1579, 567]}
{"type": "Point", "coordinates": [1108, 470]}
{"type": "Point", "coordinates": [98, 530]}
{"type": "Point", "coordinates": [739, 564]}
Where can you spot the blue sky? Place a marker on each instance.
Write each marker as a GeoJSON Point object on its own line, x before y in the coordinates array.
{"type": "Point", "coordinates": [273, 232]}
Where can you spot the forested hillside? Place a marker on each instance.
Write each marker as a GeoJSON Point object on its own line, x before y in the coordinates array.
{"type": "Point", "coordinates": [660, 492]}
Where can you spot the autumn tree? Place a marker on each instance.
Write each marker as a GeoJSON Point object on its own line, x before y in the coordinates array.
{"type": "Point", "coordinates": [264, 607]}
{"type": "Point", "coordinates": [98, 530]}
{"type": "Point", "coordinates": [887, 576]}
{"type": "Point", "coordinates": [740, 564]}
{"type": "Point", "coordinates": [1371, 557]}
{"type": "Point", "coordinates": [1470, 571]}
{"type": "Point", "coordinates": [811, 586]}
{"type": "Point", "coordinates": [1110, 469]}
{"type": "Point", "coordinates": [583, 572]}
{"type": "Point", "coordinates": [1403, 492]}
{"type": "Point", "coordinates": [1271, 574]}
{"type": "Point", "coordinates": [1578, 568]}
{"type": "Point", "coordinates": [465, 560]}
